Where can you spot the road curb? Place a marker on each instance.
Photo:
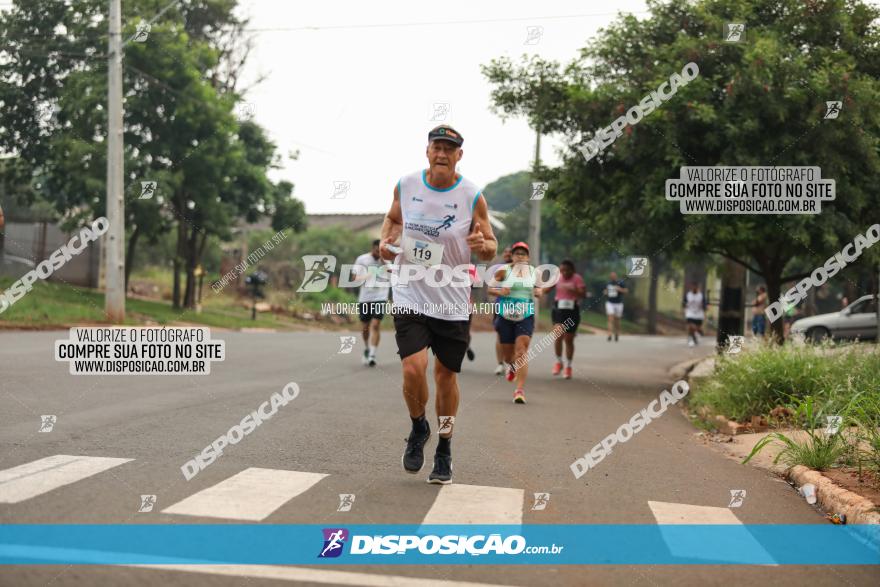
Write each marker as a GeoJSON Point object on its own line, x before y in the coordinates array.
{"type": "Point", "coordinates": [683, 369]}
{"type": "Point", "coordinates": [834, 498]}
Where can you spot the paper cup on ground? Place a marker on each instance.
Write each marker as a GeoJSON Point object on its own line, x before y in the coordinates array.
{"type": "Point", "coordinates": [808, 490]}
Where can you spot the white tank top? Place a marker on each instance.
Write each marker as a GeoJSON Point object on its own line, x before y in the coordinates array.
{"type": "Point", "coordinates": [434, 218]}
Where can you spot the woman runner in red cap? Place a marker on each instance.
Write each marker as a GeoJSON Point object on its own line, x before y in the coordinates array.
{"type": "Point", "coordinates": [516, 320]}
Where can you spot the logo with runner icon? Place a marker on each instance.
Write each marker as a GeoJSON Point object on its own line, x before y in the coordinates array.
{"type": "Point", "coordinates": [147, 503]}
{"type": "Point", "coordinates": [539, 189]}
{"type": "Point", "coordinates": [737, 497]}
{"type": "Point", "coordinates": [334, 541]}
{"type": "Point", "coordinates": [734, 32]}
{"type": "Point", "coordinates": [832, 109]}
{"type": "Point", "coordinates": [47, 422]}
{"type": "Point", "coordinates": [834, 423]}
{"type": "Point", "coordinates": [541, 501]}
{"type": "Point", "coordinates": [148, 189]}
{"type": "Point", "coordinates": [346, 344]}
{"type": "Point", "coordinates": [735, 344]}
{"type": "Point", "coordinates": [340, 189]}
{"type": "Point", "coordinates": [446, 424]}
{"type": "Point", "coordinates": [533, 35]}
{"type": "Point", "coordinates": [447, 221]}
{"type": "Point", "coordinates": [636, 266]}
{"type": "Point", "coordinates": [319, 268]}
{"type": "Point", "coordinates": [346, 501]}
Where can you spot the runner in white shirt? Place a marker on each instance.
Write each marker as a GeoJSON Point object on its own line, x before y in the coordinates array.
{"type": "Point", "coordinates": [614, 290]}
{"type": "Point", "coordinates": [371, 299]}
{"type": "Point", "coordinates": [437, 220]}
{"type": "Point", "coordinates": [694, 312]}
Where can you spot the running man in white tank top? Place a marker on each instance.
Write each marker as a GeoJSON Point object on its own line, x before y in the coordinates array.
{"type": "Point", "coordinates": [437, 220]}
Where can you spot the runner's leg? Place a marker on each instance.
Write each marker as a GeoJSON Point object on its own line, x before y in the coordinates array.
{"type": "Point", "coordinates": [450, 347]}
{"type": "Point", "coordinates": [415, 394]}
{"type": "Point", "coordinates": [569, 343]}
{"type": "Point", "coordinates": [375, 327]}
{"type": "Point", "coordinates": [521, 347]}
{"type": "Point", "coordinates": [447, 398]}
{"type": "Point", "coordinates": [415, 382]}
{"type": "Point", "coordinates": [507, 352]}
{"type": "Point", "coordinates": [365, 330]}
{"type": "Point", "coordinates": [446, 403]}
{"type": "Point", "coordinates": [499, 357]}
{"type": "Point", "coordinates": [374, 339]}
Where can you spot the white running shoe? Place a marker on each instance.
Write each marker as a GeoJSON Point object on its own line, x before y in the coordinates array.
{"type": "Point", "coordinates": [499, 370]}
{"type": "Point", "coordinates": [372, 361]}
{"type": "Point", "coordinates": [691, 343]}
{"type": "Point", "coordinates": [365, 358]}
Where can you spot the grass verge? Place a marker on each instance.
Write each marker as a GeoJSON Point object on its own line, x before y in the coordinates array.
{"type": "Point", "coordinates": [756, 382]}
{"type": "Point", "coordinates": [57, 305]}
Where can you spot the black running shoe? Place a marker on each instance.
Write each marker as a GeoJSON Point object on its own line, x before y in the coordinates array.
{"type": "Point", "coordinates": [470, 354]}
{"type": "Point", "coordinates": [414, 455]}
{"type": "Point", "coordinates": [615, 337]}
{"type": "Point", "coordinates": [442, 473]}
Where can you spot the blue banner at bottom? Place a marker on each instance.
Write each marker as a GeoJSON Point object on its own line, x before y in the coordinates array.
{"type": "Point", "coordinates": [263, 544]}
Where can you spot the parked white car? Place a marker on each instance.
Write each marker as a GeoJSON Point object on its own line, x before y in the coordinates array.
{"type": "Point", "coordinates": [857, 320]}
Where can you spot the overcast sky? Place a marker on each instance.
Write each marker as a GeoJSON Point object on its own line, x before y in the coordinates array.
{"type": "Point", "coordinates": [356, 99]}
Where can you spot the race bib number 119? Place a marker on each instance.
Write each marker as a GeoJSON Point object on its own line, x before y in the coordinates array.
{"type": "Point", "coordinates": [422, 252]}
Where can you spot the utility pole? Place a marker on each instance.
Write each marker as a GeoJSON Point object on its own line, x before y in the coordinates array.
{"type": "Point", "coordinates": [535, 211]}
{"type": "Point", "coordinates": [535, 219]}
{"type": "Point", "coordinates": [732, 306]}
{"type": "Point", "coordinates": [114, 269]}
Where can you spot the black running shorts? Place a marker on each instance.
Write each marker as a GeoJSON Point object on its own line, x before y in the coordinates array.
{"type": "Point", "coordinates": [509, 330]}
{"type": "Point", "coordinates": [447, 338]}
{"type": "Point", "coordinates": [371, 311]}
{"type": "Point", "coordinates": [560, 315]}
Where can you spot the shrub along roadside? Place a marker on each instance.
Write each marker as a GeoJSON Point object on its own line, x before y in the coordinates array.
{"type": "Point", "coordinates": [811, 383]}
{"type": "Point", "coordinates": [819, 451]}
{"type": "Point", "coordinates": [755, 382]}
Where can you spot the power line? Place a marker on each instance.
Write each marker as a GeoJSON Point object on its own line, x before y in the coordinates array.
{"type": "Point", "coordinates": [438, 23]}
{"type": "Point", "coordinates": [393, 25]}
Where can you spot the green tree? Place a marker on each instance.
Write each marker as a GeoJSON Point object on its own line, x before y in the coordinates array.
{"type": "Point", "coordinates": [510, 195]}
{"type": "Point", "coordinates": [756, 103]}
{"type": "Point", "coordinates": [180, 131]}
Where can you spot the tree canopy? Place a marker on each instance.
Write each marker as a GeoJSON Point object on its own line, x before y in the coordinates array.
{"type": "Point", "coordinates": [759, 102]}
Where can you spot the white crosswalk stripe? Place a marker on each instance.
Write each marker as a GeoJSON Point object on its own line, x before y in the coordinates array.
{"type": "Point", "coordinates": [252, 494]}
{"type": "Point", "coordinates": [42, 476]}
{"type": "Point", "coordinates": [681, 513]}
{"type": "Point", "coordinates": [255, 493]}
{"type": "Point", "coordinates": [476, 504]}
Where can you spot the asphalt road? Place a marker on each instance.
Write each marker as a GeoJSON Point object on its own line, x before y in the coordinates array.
{"type": "Point", "coordinates": [349, 424]}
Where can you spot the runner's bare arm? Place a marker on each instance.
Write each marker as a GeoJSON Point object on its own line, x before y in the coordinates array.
{"type": "Point", "coordinates": [500, 275]}
{"type": "Point", "coordinates": [482, 240]}
{"type": "Point", "coordinates": [392, 227]}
